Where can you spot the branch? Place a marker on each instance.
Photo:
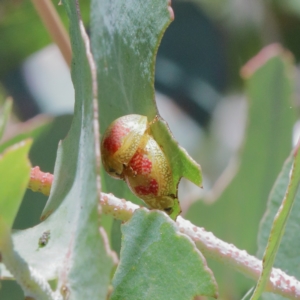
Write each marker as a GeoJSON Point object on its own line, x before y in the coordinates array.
{"type": "Point", "coordinates": [279, 282]}
{"type": "Point", "coordinates": [40, 181]}
{"type": "Point", "coordinates": [55, 27]}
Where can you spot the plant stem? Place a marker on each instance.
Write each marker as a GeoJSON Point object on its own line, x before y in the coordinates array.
{"type": "Point", "coordinates": [40, 181]}
{"type": "Point", "coordinates": [278, 283]}
{"type": "Point", "coordinates": [54, 25]}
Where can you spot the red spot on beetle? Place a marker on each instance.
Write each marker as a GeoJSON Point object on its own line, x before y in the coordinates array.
{"type": "Point", "coordinates": [114, 140]}
{"type": "Point", "coordinates": [130, 152]}
{"type": "Point", "coordinates": [152, 188]}
{"type": "Point", "coordinates": [140, 163]}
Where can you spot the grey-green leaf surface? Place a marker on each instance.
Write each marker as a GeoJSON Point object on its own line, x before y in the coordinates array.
{"type": "Point", "coordinates": [287, 257]}
{"type": "Point", "coordinates": [159, 263]}
{"type": "Point", "coordinates": [236, 214]}
{"type": "Point", "coordinates": [14, 174]}
{"type": "Point", "coordinates": [279, 225]}
{"type": "Point", "coordinates": [125, 36]}
{"type": "Point", "coordinates": [6, 110]}
{"type": "Point", "coordinates": [76, 253]}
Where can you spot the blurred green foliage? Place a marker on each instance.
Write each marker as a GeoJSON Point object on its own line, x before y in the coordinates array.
{"type": "Point", "coordinates": [234, 216]}
{"type": "Point", "coordinates": [22, 32]}
{"type": "Point", "coordinates": [246, 29]}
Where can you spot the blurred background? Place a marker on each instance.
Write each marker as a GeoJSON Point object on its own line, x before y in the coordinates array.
{"type": "Point", "coordinates": [199, 89]}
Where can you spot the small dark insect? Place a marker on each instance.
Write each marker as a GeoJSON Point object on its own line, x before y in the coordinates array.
{"type": "Point", "coordinates": [65, 292]}
{"type": "Point", "coordinates": [43, 240]}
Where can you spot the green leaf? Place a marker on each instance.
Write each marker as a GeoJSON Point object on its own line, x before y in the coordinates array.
{"type": "Point", "coordinates": [42, 154]}
{"type": "Point", "coordinates": [125, 37]}
{"type": "Point", "coordinates": [14, 174]}
{"type": "Point", "coordinates": [76, 253]}
{"type": "Point", "coordinates": [29, 129]}
{"type": "Point", "coordinates": [288, 252]}
{"type": "Point", "coordinates": [116, 236]}
{"type": "Point", "coordinates": [279, 225]}
{"type": "Point", "coordinates": [183, 165]}
{"type": "Point", "coordinates": [5, 116]}
{"type": "Point", "coordinates": [236, 214]}
{"type": "Point", "coordinates": [158, 262]}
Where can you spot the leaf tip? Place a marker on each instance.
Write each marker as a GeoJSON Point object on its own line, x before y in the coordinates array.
{"type": "Point", "coordinates": [260, 59]}
{"type": "Point", "coordinates": [170, 9]}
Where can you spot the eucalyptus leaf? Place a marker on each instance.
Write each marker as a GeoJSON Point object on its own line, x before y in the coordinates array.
{"type": "Point", "coordinates": [235, 215]}
{"type": "Point", "coordinates": [32, 128]}
{"type": "Point", "coordinates": [14, 174]}
{"type": "Point", "coordinates": [288, 253]}
{"type": "Point", "coordinates": [158, 262]}
{"type": "Point", "coordinates": [76, 253]}
{"type": "Point", "coordinates": [279, 224]}
{"type": "Point", "coordinates": [125, 36]}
